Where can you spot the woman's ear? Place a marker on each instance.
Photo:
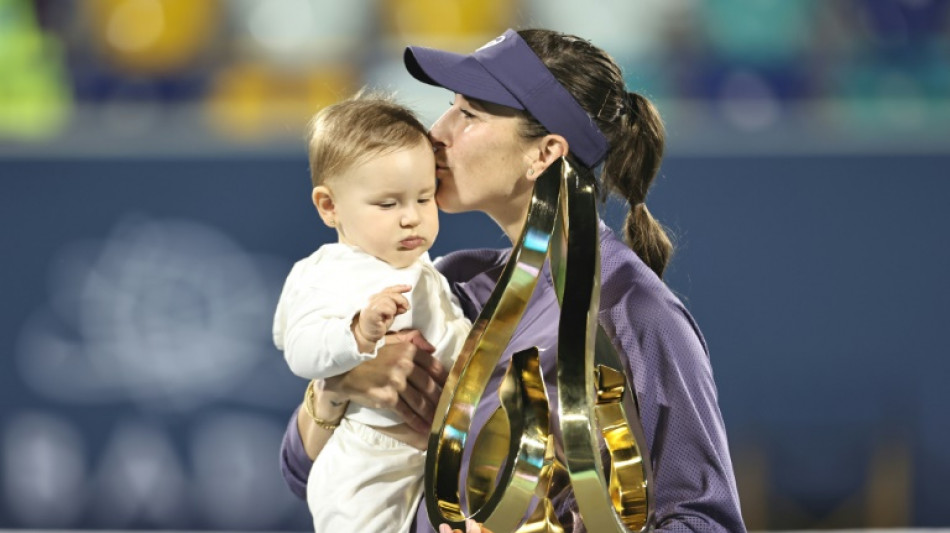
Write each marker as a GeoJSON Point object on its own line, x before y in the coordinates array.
{"type": "Point", "coordinates": [550, 148]}
{"type": "Point", "coordinates": [323, 201]}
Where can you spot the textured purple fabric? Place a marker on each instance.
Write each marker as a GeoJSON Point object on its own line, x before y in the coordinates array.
{"type": "Point", "coordinates": [507, 72]}
{"type": "Point", "coordinates": [294, 462]}
{"type": "Point", "coordinates": [667, 358]}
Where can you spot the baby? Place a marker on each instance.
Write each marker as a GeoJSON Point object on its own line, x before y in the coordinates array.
{"type": "Point", "coordinates": [373, 172]}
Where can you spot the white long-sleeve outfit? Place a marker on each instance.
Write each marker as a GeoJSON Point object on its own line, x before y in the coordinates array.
{"type": "Point", "coordinates": [362, 480]}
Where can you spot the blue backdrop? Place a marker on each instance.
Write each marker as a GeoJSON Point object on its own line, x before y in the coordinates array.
{"type": "Point", "coordinates": [139, 387]}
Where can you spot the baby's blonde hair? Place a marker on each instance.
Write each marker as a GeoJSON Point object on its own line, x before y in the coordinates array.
{"type": "Point", "coordinates": [350, 132]}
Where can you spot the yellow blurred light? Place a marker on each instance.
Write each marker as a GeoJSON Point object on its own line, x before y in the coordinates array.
{"type": "Point", "coordinates": [254, 101]}
{"type": "Point", "coordinates": [136, 25]}
{"type": "Point", "coordinates": [152, 36]}
{"type": "Point", "coordinates": [457, 24]}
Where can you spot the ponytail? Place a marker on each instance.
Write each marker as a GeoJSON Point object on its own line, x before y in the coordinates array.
{"type": "Point", "coordinates": [647, 238]}
{"type": "Point", "coordinates": [631, 166]}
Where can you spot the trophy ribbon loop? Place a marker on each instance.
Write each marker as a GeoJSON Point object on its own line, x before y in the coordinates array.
{"type": "Point", "coordinates": [514, 469]}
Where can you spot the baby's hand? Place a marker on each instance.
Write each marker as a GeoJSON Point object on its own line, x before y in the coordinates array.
{"type": "Point", "coordinates": [374, 320]}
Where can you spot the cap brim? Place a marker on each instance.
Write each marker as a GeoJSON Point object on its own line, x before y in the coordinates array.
{"type": "Point", "coordinates": [458, 73]}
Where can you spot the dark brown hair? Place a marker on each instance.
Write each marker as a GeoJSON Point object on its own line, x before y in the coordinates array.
{"type": "Point", "coordinates": [631, 124]}
{"type": "Point", "coordinates": [352, 131]}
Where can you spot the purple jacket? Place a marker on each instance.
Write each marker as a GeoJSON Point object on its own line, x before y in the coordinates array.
{"type": "Point", "coordinates": [695, 488]}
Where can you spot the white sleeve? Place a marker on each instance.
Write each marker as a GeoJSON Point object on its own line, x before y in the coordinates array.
{"type": "Point", "coordinates": [312, 327]}
{"type": "Point", "coordinates": [318, 341]}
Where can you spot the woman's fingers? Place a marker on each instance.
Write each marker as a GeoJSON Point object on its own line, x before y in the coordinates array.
{"type": "Point", "coordinates": [425, 392]}
{"type": "Point", "coordinates": [473, 527]}
{"type": "Point", "coordinates": [404, 376]}
{"type": "Point", "coordinates": [423, 379]}
{"type": "Point", "coordinates": [375, 382]}
{"type": "Point", "coordinates": [470, 527]}
{"type": "Point", "coordinates": [423, 357]}
{"type": "Point", "coordinates": [413, 336]}
{"type": "Point", "coordinates": [412, 418]}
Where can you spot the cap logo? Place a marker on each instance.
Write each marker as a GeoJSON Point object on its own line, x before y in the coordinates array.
{"type": "Point", "coordinates": [492, 42]}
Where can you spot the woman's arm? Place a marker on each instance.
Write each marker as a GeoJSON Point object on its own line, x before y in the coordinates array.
{"type": "Point", "coordinates": [305, 437]}
{"type": "Point", "coordinates": [693, 476]}
{"type": "Point", "coordinates": [318, 416]}
{"type": "Point", "coordinates": [295, 463]}
{"type": "Point", "coordinates": [403, 377]}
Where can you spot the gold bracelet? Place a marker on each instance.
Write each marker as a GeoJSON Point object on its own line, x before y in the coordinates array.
{"type": "Point", "coordinates": [308, 407]}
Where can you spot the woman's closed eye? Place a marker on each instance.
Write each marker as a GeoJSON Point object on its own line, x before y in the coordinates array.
{"type": "Point", "coordinates": [465, 112]}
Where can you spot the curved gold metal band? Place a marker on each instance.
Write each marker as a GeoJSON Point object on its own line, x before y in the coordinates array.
{"type": "Point", "coordinates": [512, 460]}
{"type": "Point", "coordinates": [587, 394]}
{"type": "Point", "coordinates": [528, 442]}
{"type": "Point", "coordinates": [475, 364]}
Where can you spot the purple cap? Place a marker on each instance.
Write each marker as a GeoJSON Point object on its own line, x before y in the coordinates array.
{"type": "Point", "coordinates": [507, 72]}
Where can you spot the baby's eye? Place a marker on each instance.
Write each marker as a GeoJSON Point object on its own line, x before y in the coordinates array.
{"type": "Point", "coordinates": [387, 205]}
{"type": "Point", "coordinates": [424, 200]}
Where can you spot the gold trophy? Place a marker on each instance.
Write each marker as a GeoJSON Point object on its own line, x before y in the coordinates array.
{"type": "Point", "coordinates": [516, 465]}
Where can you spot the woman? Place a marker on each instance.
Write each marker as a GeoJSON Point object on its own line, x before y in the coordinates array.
{"type": "Point", "coordinates": [512, 116]}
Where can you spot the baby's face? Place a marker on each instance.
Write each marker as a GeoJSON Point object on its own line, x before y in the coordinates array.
{"type": "Point", "coordinates": [386, 206]}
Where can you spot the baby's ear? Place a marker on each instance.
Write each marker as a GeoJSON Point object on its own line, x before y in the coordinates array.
{"type": "Point", "coordinates": [323, 200]}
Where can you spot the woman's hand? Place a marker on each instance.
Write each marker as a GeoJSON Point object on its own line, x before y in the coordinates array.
{"type": "Point", "coordinates": [404, 377]}
{"type": "Point", "coordinates": [470, 527]}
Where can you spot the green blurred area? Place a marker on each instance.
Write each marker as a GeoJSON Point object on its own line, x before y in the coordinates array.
{"type": "Point", "coordinates": [35, 95]}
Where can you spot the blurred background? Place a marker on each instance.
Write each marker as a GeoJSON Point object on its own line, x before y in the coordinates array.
{"type": "Point", "coordinates": [155, 193]}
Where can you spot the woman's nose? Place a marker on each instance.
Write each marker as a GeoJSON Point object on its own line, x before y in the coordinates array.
{"type": "Point", "coordinates": [439, 133]}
